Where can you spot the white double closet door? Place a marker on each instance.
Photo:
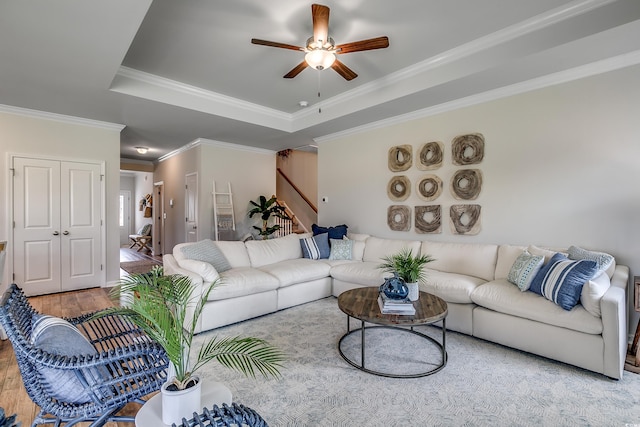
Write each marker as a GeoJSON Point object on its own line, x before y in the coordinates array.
{"type": "Point", "coordinates": [57, 211]}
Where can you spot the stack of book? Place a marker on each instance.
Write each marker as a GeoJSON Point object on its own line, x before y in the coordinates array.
{"type": "Point", "coordinates": [395, 306]}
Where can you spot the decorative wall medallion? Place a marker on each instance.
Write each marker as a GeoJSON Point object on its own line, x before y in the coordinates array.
{"type": "Point", "coordinates": [399, 217]}
{"type": "Point", "coordinates": [400, 158]}
{"type": "Point", "coordinates": [428, 219]}
{"type": "Point", "coordinates": [465, 219]}
{"type": "Point", "coordinates": [399, 188]}
{"type": "Point", "coordinates": [467, 149]}
{"type": "Point", "coordinates": [466, 184]}
{"type": "Point", "coordinates": [429, 187]}
{"type": "Point", "coordinates": [430, 156]}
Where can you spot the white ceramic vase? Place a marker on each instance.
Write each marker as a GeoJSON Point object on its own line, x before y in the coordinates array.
{"type": "Point", "coordinates": [181, 403]}
{"type": "Point", "coordinates": [414, 291]}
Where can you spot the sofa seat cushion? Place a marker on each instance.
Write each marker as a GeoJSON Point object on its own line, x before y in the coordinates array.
{"type": "Point", "coordinates": [242, 281]}
{"type": "Point", "coordinates": [451, 287]}
{"type": "Point", "coordinates": [361, 273]}
{"type": "Point", "coordinates": [295, 271]}
{"type": "Point", "coordinates": [501, 296]}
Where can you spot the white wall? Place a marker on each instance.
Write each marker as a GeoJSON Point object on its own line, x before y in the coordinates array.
{"type": "Point", "coordinates": [143, 182]}
{"type": "Point", "coordinates": [251, 173]}
{"type": "Point", "coordinates": [38, 137]}
{"type": "Point", "coordinates": [561, 167]}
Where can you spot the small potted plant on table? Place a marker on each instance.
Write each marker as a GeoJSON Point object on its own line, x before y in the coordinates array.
{"type": "Point", "coordinates": [158, 304]}
{"type": "Point", "coordinates": [408, 267]}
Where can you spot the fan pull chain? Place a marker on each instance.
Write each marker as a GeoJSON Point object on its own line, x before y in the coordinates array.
{"type": "Point", "coordinates": [319, 108]}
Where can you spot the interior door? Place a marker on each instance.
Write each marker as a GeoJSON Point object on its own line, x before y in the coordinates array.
{"type": "Point", "coordinates": [191, 207]}
{"type": "Point", "coordinates": [36, 257]}
{"type": "Point", "coordinates": [159, 216]}
{"type": "Point", "coordinates": [57, 234]}
{"type": "Point", "coordinates": [80, 224]}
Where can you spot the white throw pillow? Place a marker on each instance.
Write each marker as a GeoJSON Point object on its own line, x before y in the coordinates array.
{"type": "Point", "coordinates": [592, 293]}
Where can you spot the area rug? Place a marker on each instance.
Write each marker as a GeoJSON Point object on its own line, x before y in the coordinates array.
{"type": "Point", "coordinates": [483, 384]}
{"type": "Point", "coordinates": [138, 267]}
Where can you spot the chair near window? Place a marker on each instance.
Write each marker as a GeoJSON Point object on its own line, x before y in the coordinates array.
{"type": "Point", "coordinates": [142, 239]}
{"type": "Point", "coordinates": [80, 369]}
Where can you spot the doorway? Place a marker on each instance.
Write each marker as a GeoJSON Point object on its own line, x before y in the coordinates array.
{"type": "Point", "coordinates": [57, 208]}
{"type": "Point", "coordinates": [124, 216]}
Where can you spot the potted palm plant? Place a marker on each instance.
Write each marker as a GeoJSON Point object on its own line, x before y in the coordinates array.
{"type": "Point", "coordinates": [408, 267]}
{"type": "Point", "coordinates": [158, 305]}
{"type": "Point", "coordinates": [266, 209]}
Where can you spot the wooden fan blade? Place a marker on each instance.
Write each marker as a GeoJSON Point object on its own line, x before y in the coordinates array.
{"type": "Point", "coordinates": [369, 44]}
{"type": "Point", "coordinates": [320, 16]}
{"type": "Point", "coordinates": [276, 44]}
{"type": "Point", "coordinates": [343, 70]}
{"type": "Point", "coordinates": [296, 70]}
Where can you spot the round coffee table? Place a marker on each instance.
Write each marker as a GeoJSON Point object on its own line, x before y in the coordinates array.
{"type": "Point", "coordinates": [362, 304]}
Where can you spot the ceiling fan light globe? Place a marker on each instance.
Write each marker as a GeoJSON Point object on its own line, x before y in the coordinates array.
{"type": "Point", "coordinates": [320, 59]}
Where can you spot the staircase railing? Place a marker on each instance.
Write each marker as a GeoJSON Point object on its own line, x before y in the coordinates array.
{"type": "Point", "coordinates": [297, 190]}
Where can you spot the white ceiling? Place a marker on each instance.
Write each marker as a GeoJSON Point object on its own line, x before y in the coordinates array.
{"type": "Point", "coordinates": [174, 71]}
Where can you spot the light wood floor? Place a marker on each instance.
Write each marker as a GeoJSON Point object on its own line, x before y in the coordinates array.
{"type": "Point", "coordinates": [13, 396]}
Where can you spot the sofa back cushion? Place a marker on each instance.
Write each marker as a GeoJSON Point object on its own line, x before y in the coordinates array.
{"type": "Point", "coordinates": [235, 252]}
{"type": "Point", "coordinates": [477, 260]}
{"type": "Point", "coordinates": [507, 255]}
{"type": "Point", "coordinates": [265, 252]}
{"type": "Point", "coordinates": [377, 248]}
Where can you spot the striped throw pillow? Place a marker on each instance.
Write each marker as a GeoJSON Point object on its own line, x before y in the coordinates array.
{"type": "Point", "coordinates": [561, 280]}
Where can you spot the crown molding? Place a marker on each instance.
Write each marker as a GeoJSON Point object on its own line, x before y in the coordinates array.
{"type": "Point", "coordinates": [458, 53]}
{"type": "Point", "coordinates": [595, 68]}
{"type": "Point", "coordinates": [214, 102]}
{"type": "Point", "coordinates": [61, 118]}
{"type": "Point", "coordinates": [214, 143]}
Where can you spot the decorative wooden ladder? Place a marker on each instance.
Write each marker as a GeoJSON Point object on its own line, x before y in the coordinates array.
{"type": "Point", "coordinates": [223, 217]}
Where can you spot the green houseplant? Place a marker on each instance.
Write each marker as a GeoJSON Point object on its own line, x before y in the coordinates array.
{"type": "Point", "coordinates": [408, 267]}
{"type": "Point", "coordinates": [266, 209]}
{"type": "Point", "coordinates": [159, 304]}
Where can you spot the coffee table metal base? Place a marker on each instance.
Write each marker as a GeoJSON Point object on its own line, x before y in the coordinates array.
{"type": "Point", "coordinates": [363, 329]}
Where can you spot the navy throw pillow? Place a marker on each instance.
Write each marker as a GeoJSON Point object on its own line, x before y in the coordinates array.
{"type": "Point", "coordinates": [337, 232]}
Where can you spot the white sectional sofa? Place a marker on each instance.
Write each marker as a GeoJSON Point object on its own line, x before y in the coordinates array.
{"type": "Point", "coordinates": [265, 276]}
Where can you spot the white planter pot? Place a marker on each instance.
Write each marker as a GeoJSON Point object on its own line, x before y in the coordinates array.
{"type": "Point", "coordinates": [180, 404]}
{"type": "Point", "coordinates": [414, 291]}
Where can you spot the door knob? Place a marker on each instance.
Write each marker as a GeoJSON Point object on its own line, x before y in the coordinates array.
{"type": "Point", "coordinates": [66, 233]}
{"type": "Point", "coordinates": [55, 233]}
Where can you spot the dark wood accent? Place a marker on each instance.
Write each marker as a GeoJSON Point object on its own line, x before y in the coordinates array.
{"type": "Point", "coordinates": [359, 46]}
{"type": "Point", "coordinates": [632, 363]}
{"type": "Point", "coordinates": [343, 70]}
{"type": "Point", "coordinates": [296, 70]}
{"type": "Point", "coordinates": [362, 303]}
{"type": "Point", "coordinates": [276, 44]}
{"type": "Point", "coordinates": [295, 187]}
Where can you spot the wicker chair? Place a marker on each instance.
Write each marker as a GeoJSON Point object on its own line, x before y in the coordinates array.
{"type": "Point", "coordinates": [129, 364]}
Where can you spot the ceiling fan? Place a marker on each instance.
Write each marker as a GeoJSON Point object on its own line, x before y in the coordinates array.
{"type": "Point", "coordinates": [321, 51]}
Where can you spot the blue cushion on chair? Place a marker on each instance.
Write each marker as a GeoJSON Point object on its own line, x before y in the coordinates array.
{"type": "Point", "coordinates": [58, 337]}
{"type": "Point", "coordinates": [561, 280]}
